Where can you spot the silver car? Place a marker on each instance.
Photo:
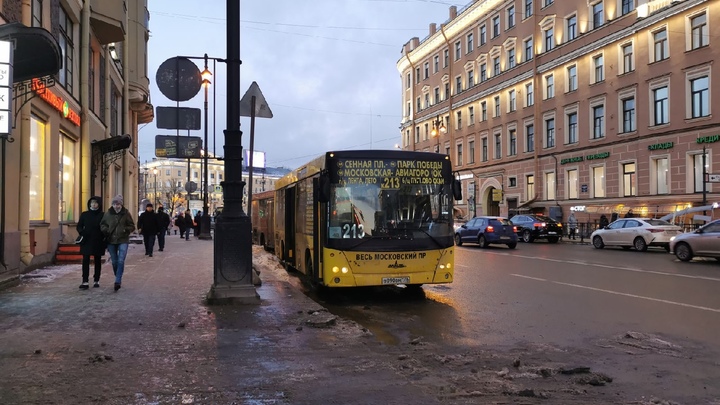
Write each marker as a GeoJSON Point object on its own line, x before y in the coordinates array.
{"type": "Point", "coordinates": [703, 242]}
{"type": "Point", "coordinates": [638, 233]}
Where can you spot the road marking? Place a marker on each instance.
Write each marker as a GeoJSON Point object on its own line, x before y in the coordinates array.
{"type": "Point", "coordinates": [605, 266]}
{"type": "Point", "coordinates": [531, 278]}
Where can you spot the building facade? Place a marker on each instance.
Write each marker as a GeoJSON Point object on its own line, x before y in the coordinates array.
{"type": "Point", "coordinates": [75, 131]}
{"type": "Point", "coordinates": [551, 106]}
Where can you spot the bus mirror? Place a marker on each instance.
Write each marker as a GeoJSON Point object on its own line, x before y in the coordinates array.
{"type": "Point", "coordinates": [457, 190]}
{"type": "Point", "coordinates": [324, 192]}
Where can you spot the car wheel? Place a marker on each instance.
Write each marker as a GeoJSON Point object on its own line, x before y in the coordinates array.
{"type": "Point", "coordinates": [640, 244]}
{"type": "Point", "coordinates": [598, 242]}
{"type": "Point", "coordinates": [553, 240]}
{"type": "Point", "coordinates": [482, 242]}
{"type": "Point", "coordinates": [457, 239]}
{"type": "Point", "coordinates": [683, 252]}
{"type": "Point", "coordinates": [527, 237]}
{"type": "Point", "coordinates": [512, 246]}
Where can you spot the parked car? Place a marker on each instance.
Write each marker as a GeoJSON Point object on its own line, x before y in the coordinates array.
{"type": "Point", "coordinates": [486, 231]}
{"type": "Point", "coordinates": [531, 227]}
{"type": "Point", "coordinates": [704, 242]}
{"type": "Point", "coordinates": [635, 232]}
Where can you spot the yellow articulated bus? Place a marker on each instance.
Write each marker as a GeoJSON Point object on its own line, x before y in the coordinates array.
{"type": "Point", "coordinates": [368, 218]}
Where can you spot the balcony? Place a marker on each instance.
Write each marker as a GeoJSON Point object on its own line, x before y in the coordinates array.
{"type": "Point", "coordinates": [107, 20]}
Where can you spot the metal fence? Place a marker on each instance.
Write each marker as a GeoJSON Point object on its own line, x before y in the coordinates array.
{"type": "Point", "coordinates": [585, 229]}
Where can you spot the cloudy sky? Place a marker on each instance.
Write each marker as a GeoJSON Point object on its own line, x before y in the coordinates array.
{"type": "Point", "coordinates": [326, 68]}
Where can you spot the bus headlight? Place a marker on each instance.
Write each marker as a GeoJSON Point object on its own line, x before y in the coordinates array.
{"type": "Point", "coordinates": [442, 267]}
{"type": "Point", "coordinates": [336, 269]}
{"type": "Point", "coordinates": [344, 270]}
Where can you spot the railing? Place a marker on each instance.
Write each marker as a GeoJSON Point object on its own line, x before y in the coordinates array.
{"type": "Point", "coordinates": [585, 229]}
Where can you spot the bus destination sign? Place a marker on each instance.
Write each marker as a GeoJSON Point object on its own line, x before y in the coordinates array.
{"type": "Point", "coordinates": [389, 174]}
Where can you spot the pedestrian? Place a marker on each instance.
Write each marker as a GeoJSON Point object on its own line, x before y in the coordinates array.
{"type": "Point", "coordinates": [164, 223]}
{"type": "Point", "coordinates": [572, 224]}
{"type": "Point", "coordinates": [149, 228]}
{"type": "Point", "coordinates": [189, 224]}
{"type": "Point", "coordinates": [92, 243]}
{"type": "Point", "coordinates": [117, 224]}
{"type": "Point", "coordinates": [180, 223]}
{"type": "Point", "coordinates": [196, 226]}
{"type": "Point", "coordinates": [630, 214]}
{"type": "Point", "coordinates": [603, 221]}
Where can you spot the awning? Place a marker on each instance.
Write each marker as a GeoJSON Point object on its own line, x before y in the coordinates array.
{"type": "Point", "coordinates": [112, 144]}
{"type": "Point", "coordinates": [37, 52]}
{"type": "Point", "coordinates": [526, 204]}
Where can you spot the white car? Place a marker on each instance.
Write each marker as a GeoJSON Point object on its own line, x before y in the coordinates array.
{"type": "Point", "coordinates": [635, 232]}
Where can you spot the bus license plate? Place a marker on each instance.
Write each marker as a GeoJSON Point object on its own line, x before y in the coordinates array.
{"type": "Point", "coordinates": [396, 280]}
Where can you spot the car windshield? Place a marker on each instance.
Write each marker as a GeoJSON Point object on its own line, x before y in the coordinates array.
{"type": "Point", "coordinates": [656, 222]}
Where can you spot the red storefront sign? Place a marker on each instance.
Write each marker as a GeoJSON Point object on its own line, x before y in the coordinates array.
{"type": "Point", "coordinates": [55, 101]}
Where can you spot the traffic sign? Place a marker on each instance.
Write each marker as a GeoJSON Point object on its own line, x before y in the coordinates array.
{"type": "Point", "coordinates": [497, 194]}
{"type": "Point", "coordinates": [714, 178]}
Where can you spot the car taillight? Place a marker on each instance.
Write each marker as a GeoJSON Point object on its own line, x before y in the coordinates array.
{"type": "Point", "coordinates": [559, 225]}
{"type": "Point", "coordinates": [489, 229]}
{"type": "Point", "coordinates": [514, 228]}
{"type": "Point", "coordinates": [539, 225]}
{"type": "Point", "coordinates": [656, 230]}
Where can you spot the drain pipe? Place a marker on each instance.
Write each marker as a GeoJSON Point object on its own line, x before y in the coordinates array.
{"type": "Point", "coordinates": [25, 171]}
{"type": "Point", "coordinates": [3, 202]}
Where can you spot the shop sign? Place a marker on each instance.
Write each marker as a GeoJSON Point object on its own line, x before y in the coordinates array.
{"type": "Point", "coordinates": [55, 101]}
{"type": "Point", "coordinates": [571, 160]}
{"type": "Point", "coordinates": [5, 88]}
{"type": "Point", "coordinates": [603, 155]}
{"type": "Point", "coordinates": [659, 146]}
{"type": "Point", "coordinates": [708, 139]}
{"type": "Point", "coordinates": [577, 208]}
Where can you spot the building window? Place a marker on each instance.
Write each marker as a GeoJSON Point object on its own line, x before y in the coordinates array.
{"type": "Point", "coordinates": [700, 96]}
{"type": "Point", "coordinates": [447, 90]}
{"type": "Point", "coordinates": [698, 171]}
{"type": "Point", "coordinates": [446, 58]}
{"type": "Point", "coordinates": [65, 39]}
{"type": "Point", "coordinates": [661, 46]}
{"type": "Point", "coordinates": [528, 45]}
{"type": "Point", "coordinates": [436, 63]}
{"type": "Point", "coordinates": [550, 133]}
{"type": "Point", "coordinates": [458, 85]}
{"type": "Point", "coordinates": [530, 138]}
{"type": "Point", "coordinates": [459, 120]}
{"type": "Point", "coordinates": [417, 134]}
{"type": "Point", "coordinates": [408, 82]}
{"type": "Point", "coordinates": [572, 78]}
{"type": "Point", "coordinates": [547, 3]}
{"type": "Point", "coordinates": [91, 80]}
{"type": "Point", "coordinates": [598, 69]}
{"type": "Point", "coordinates": [471, 151]}
{"type": "Point", "coordinates": [427, 100]}
{"type": "Point", "coordinates": [700, 35]}
{"type": "Point", "coordinates": [437, 95]}
{"type": "Point", "coordinates": [427, 132]}
{"type": "Point", "coordinates": [550, 186]}
{"type": "Point", "coordinates": [417, 75]}
{"type": "Point", "coordinates": [471, 78]}
{"type": "Point", "coordinates": [484, 149]}
{"type": "Point", "coordinates": [513, 142]}
{"type": "Point", "coordinates": [496, 66]}
{"type": "Point", "coordinates": [572, 184]}
{"type": "Point", "coordinates": [459, 154]}
{"type": "Point", "coordinates": [37, 11]}
{"type": "Point", "coordinates": [629, 180]}
{"type": "Point", "coordinates": [628, 6]}
{"type": "Point", "coordinates": [598, 113]}
{"type": "Point", "coordinates": [512, 182]}
{"type": "Point", "coordinates": [528, 8]}
{"type": "Point", "coordinates": [598, 15]}
{"type": "Point", "coordinates": [529, 99]}
{"type": "Point", "coordinates": [471, 115]}
{"type": "Point", "coordinates": [511, 58]}
{"type": "Point", "coordinates": [483, 111]}
{"type": "Point", "coordinates": [66, 197]}
{"type": "Point", "coordinates": [496, 26]}
{"type": "Point", "coordinates": [498, 146]}
{"type": "Point", "coordinates": [512, 100]}
{"type": "Point", "coordinates": [549, 86]}
{"type": "Point", "coordinates": [470, 42]}
{"type": "Point", "coordinates": [496, 99]}
{"type": "Point", "coordinates": [483, 72]}
{"type": "Point", "coordinates": [419, 104]}
{"type": "Point", "coordinates": [38, 132]}
{"type": "Point", "coordinates": [572, 127]}
{"type": "Point", "coordinates": [628, 114]}
{"type": "Point", "coordinates": [530, 184]}
{"type": "Point", "coordinates": [511, 17]}
{"type": "Point", "coordinates": [627, 58]}
{"type": "Point", "coordinates": [549, 39]}
{"type": "Point", "coordinates": [458, 51]}
{"type": "Point", "coordinates": [179, 173]}
{"type": "Point", "coordinates": [426, 69]}
{"type": "Point", "coordinates": [661, 175]}
{"type": "Point", "coordinates": [483, 34]}
{"type": "Point", "coordinates": [571, 24]}
{"type": "Point", "coordinates": [661, 111]}
{"type": "Point", "coordinates": [598, 181]}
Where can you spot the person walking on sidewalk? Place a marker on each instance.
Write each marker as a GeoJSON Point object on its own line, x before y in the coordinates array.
{"type": "Point", "coordinates": [189, 224]}
{"type": "Point", "coordinates": [572, 224]}
{"type": "Point", "coordinates": [196, 226]}
{"type": "Point", "coordinates": [149, 228]}
{"type": "Point", "coordinates": [164, 223]}
{"type": "Point", "coordinates": [117, 224]}
{"type": "Point", "coordinates": [92, 243]}
{"type": "Point", "coordinates": [180, 223]}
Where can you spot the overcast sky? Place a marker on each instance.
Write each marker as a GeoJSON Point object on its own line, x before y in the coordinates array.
{"type": "Point", "coordinates": [327, 69]}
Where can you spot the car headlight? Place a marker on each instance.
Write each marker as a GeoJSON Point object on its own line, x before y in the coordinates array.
{"type": "Point", "coordinates": [672, 239]}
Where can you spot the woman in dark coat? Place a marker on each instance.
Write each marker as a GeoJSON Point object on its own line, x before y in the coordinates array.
{"type": "Point", "coordinates": [189, 224]}
{"type": "Point", "coordinates": [92, 244]}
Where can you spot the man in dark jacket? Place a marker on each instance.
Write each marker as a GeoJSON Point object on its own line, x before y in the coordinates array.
{"type": "Point", "coordinates": [149, 228]}
{"type": "Point", "coordinates": [189, 224]}
{"type": "Point", "coordinates": [163, 220]}
{"type": "Point", "coordinates": [196, 226]}
{"type": "Point", "coordinates": [92, 243]}
{"type": "Point", "coordinates": [117, 225]}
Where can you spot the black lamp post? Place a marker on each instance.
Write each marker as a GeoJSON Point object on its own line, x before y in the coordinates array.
{"type": "Point", "coordinates": [145, 179]}
{"type": "Point", "coordinates": [438, 128]}
{"type": "Point", "coordinates": [205, 219]}
{"type": "Point", "coordinates": [155, 189]}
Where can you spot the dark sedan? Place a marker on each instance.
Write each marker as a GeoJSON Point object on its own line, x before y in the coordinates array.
{"type": "Point", "coordinates": [486, 231]}
{"type": "Point", "coordinates": [531, 227]}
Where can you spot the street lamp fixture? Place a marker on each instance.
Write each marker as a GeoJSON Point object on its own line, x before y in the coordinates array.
{"type": "Point", "coordinates": [438, 127]}
{"type": "Point", "coordinates": [205, 219]}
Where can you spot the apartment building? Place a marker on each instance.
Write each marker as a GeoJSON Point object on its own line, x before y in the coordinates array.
{"type": "Point", "coordinates": [75, 128]}
{"type": "Point", "coordinates": [596, 106]}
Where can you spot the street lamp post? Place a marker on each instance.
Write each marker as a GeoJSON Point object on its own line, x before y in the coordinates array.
{"type": "Point", "coordinates": [155, 192]}
{"type": "Point", "coordinates": [205, 219]}
{"type": "Point", "coordinates": [145, 179]}
{"type": "Point", "coordinates": [438, 128]}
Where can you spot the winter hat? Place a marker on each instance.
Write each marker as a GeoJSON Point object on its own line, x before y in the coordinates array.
{"type": "Point", "coordinates": [149, 205]}
{"type": "Point", "coordinates": [118, 199]}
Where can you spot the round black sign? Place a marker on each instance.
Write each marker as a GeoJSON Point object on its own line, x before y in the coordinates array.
{"type": "Point", "coordinates": [178, 79]}
{"type": "Point", "coordinates": [190, 186]}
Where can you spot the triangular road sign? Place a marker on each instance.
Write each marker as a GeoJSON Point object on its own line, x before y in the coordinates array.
{"type": "Point", "coordinates": [262, 109]}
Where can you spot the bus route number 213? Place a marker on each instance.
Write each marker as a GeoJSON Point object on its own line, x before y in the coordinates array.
{"type": "Point", "coordinates": [353, 231]}
{"type": "Point", "coordinates": [391, 183]}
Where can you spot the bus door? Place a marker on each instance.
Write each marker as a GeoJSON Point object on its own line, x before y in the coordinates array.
{"type": "Point", "coordinates": [318, 219]}
{"type": "Point", "coordinates": [290, 210]}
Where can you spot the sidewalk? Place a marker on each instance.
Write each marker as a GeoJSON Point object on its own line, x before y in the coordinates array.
{"type": "Point", "coordinates": [156, 342]}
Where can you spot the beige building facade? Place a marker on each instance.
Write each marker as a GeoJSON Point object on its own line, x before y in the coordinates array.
{"type": "Point", "coordinates": [75, 132]}
{"type": "Point", "coordinates": [549, 106]}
